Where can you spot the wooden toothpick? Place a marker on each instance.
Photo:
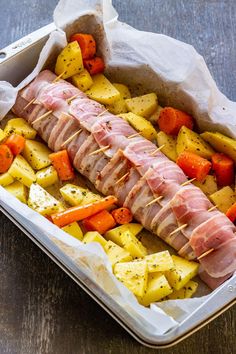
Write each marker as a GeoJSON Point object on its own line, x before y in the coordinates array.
{"type": "Point", "coordinates": [133, 135]}
{"type": "Point", "coordinates": [42, 117]}
{"type": "Point", "coordinates": [154, 201]}
{"type": "Point", "coordinates": [71, 137]}
{"type": "Point", "coordinates": [188, 182]}
{"type": "Point", "coordinates": [178, 229]}
{"type": "Point", "coordinates": [28, 104]}
{"type": "Point", "coordinates": [206, 253]}
{"type": "Point", "coordinates": [69, 100]}
{"type": "Point", "coordinates": [156, 150]}
{"type": "Point", "coordinates": [99, 150]}
{"type": "Point", "coordinates": [213, 208]}
{"type": "Point", "coordinates": [122, 178]}
{"type": "Point", "coordinates": [58, 77]}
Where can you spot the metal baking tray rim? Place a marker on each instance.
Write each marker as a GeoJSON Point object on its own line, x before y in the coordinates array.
{"type": "Point", "coordinates": [174, 336]}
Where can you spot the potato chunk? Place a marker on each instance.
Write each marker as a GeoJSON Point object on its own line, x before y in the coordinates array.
{"type": "Point", "coordinates": [43, 202]}
{"type": "Point", "coordinates": [72, 194]}
{"type": "Point", "coordinates": [37, 154]}
{"type": "Point", "coordinates": [188, 140]}
{"type": "Point", "coordinates": [69, 61]}
{"type": "Point", "coordinates": [181, 274]}
{"type": "Point", "coordinates": [142, 125]}
{"type": "Point", "coordinates": [224, 198]}
{"type": "Point", "coordinates": [94, 236]}
{"type": "Point", "coordinates": [157, 288]}
{"type": "Point", "coordinates": [119, 106]}
{"type": "Point", "coordinates": [82, 80]}
{"type": "Point", "coordinates": [133, 275]}
{"type": "Point", "coordinates": [116, 254]}
{"type": "Point", "coordinates": [2, 135]}
{"type": "Point", "coordinates": [159, 262]}
{"type": "Point", "coordinates": [74, 230]}
{"type": "Point", "coordinates": [47, 177]}
{"type": "Point", "coordinates": [6, 179]}
{"type": "Point", "coordinates": [21, 127]}
{"type": "Point", "coordinates": [209, 186]}
{"type": "Point", "coordinates": [18, 190]}
{"type": "Point", "coordinates": [169, 142]}
{"type": "Point", "coordinates": [221, 143]}
{"type": "Point", "coordinates": [22, 171]}
{"type": "Point", "coordinates": [185, 293]}
{"type": "Point", "coordinates": [142, 105]}
{"type": "Point", "coordinates": [115, 234]}
{"type": "Point", "coordinates": [102, 90]}
{"type": "Point", "coordinates": [133, 245]}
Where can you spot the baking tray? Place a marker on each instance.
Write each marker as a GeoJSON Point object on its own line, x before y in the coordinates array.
{"type": "Point", "coordinates": [16, 62]}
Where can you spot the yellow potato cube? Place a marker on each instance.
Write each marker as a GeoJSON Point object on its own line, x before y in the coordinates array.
{"type": "Point", "coordinates": [37, 154]}
{"type": "Point", "coordinates": [116, 254]}
{"type": "Point", "coordinates": [181, 274]}
{"type": "Point", "coordinates": [119, 106]}
{"type": "Point", "coordinates": [142, 125]}
{"type": "Point", "coordinates": [142, 105]}
{"type": "Point", "coordinates": [21, 127]}
{"type": "Point", "coordinates": [82, 80]}
{"type": "Point", "coordinates": [102, 90]}
{"type": "Point", "coordinates": [47, 177]}
{"type": "Point", "coordinates": [2, 135]}
{"type": "Point", "coordinates": [94, 236]}
{"type": "Point", "coordinates": [221, 143]}
{"type": "Point", "coordinates": [209, 186]}
{"type": "Point", "coordinates": [72, 194]}
{"type": "Point", "coordinates": [169, 142]}
{"type": "Point", "coordinates": [6, 179]}
{"type": "Point", "coordinates": [69, 61]}
{"type": "Point", "coordinates": [89, 197]}
{"type": "Point", "coordinates": [224, 198]}
{"type": "Point", "coordinates": [74, 230]}
{"type": "Point", "coordinates": [159, 262]}
{"type": "Point", "coordinates": [115, 234]}
{"type": "Point", "coordinates": [133, 245]}
{"type": "Point", "coordinates": [133, 275]}
{"type": "Point", "coordinates": [22, 171]}
{"type": "Point", "coordinates": [157, 288]}
{"type": "Point", "coordinates": [188, 140]}
{"type": "Point", "coordinates": [185, 293]}
{"type": "Point", "coordinates": [43, 202]}
{"type": "Point", "coordinates": [18, 190]}
{"type": "Point", "coordinates": [155, 116]}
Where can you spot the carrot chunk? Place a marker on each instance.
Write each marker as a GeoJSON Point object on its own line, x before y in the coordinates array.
{"type": "Point", "coordinates": [78, 213]}
{"type": "Point", "coordinates": [16, 143]}
{"type": "Point", "coordinates": [122, 215]}
{"type": "Point", "coordinates": [101, 222]}
{"type": "Point", "coordinates": [193, 165]}
{"type": "Point", "coordinates": [171, 120]}
{"type": "Point", "coordinates": [231, 213]}
{"type": "Point", "coordinates": [87, 44]}
{"type": "Point", "coordinates": [223, 167]}
{"type": "Point", "coordinates": [6, 158]}
{"type": "Point", "coordinates": [62, 165]}
{"type": "Point", "coordinates": [95, 65]}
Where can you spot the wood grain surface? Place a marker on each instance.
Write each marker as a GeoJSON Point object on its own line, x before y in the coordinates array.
{"type": "Point", "coordinates": [41, 309]}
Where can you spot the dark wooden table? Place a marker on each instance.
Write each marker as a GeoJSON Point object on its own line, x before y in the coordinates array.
{"type": "Point", "coordinates": [41, 309]}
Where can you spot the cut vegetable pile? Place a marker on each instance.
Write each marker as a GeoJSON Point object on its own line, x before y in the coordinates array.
{"type": "Point", "coordinates": [148, 162]}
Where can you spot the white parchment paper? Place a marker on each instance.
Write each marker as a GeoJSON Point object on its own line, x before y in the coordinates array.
{"type": "Point", "coordinates": [147, 62]}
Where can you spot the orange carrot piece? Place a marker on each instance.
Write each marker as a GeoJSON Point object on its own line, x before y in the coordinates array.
{"type": "Point", "coordinates": [16, 143]}
{"type": "Point", "coordinates": [231, 213]}
{"type": "Point", "coordinates": [100, 222]}
{"type": "Point", "coordinates": [78, 213]}
{"type": "Point", "coordinates": [193, 165]}
{"type": "Point", "coordinates": [6, 158]}
{"type": "Point", "coordinates": [62, 164]}
{"type": "Point", "coordinates": [171, 120]}
{"type": "Point", "coordinates": [223, 166]}
{"type": "Point", "coordinates": [122, 215]}
{"type": "Point", "coordinates": [95, 65]}
{"type": "Point", "coordinates": [87, 44]}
